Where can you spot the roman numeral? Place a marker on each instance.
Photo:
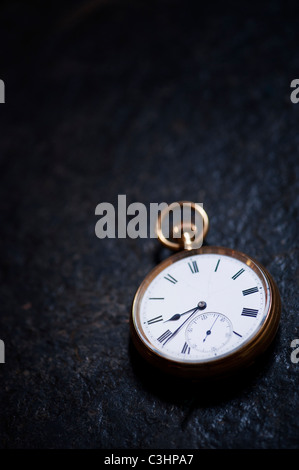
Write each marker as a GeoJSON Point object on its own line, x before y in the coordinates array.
{"type": "Point", "coordinates": [217, 265]}
{"type": "Point", "coordinates": [186, 349]}
{"type": "Point", "coordinates": [237, 334]}
{"type": "Point", "coordinates": [170, 279]}
{"type": "Point", "coordinates": [250, 291]}
{"type": "Point", "coordinates": [164, 336]}
{"type": "Point", "coordinates": [238, 274]}
{"type": "Point", "coordinates": [193, 267]}
{"type": "Point", "coordinates": [155, 320]}
{"type": "Point", "coordinates": [249, 312]}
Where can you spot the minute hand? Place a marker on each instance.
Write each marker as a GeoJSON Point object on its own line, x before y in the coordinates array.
{"type": "Point", "coordinates": [181, 326]}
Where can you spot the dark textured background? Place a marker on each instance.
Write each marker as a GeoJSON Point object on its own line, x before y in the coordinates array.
{"type": "Point", "coordinates": [161, 101]}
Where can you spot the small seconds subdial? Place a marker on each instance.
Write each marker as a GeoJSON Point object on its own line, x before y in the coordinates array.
{"type": "Point", "coordinates": [208, 332]}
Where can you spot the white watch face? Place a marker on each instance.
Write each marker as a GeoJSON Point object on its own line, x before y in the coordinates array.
{"type": "Point", "coordinates": [202, 307]}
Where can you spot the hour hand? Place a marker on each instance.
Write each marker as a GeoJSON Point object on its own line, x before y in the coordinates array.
{"type": "Point", "coordinates": [177, 316]}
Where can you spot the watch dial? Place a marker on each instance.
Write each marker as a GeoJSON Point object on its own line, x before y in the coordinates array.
{"type": "Point", "coordinates": [202, 307]}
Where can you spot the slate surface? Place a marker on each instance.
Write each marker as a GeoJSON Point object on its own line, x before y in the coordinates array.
{"type": "Point", "coordinates": [160, 101]}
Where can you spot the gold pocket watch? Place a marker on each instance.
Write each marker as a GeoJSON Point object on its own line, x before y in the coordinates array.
{"type": "Point", "coordinates": [206, 312]}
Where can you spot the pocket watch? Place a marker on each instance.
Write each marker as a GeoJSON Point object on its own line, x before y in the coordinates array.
{"type": "Point", "coordinates": [205, 312]}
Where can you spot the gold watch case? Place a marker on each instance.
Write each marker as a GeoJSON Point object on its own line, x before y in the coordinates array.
{"type": "Point", "coordinates": [227, 364]}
